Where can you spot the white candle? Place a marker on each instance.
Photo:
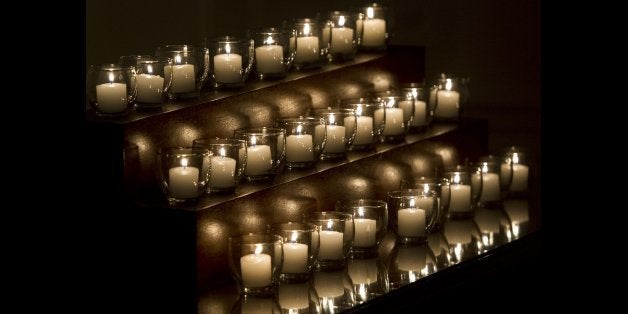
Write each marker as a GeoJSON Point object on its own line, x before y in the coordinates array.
{"type": "Point", "coordinates": [374, 33]}
{"type": "Point", "coordinates": [111, 97]}
{"type": "Point", "coordinates": [490, 187]}
{"type": "Point", "coordinates": [406, 106]}
{"type": "Point", "coordinates": [256, 269]}
{"type": "Point", "coordinates": [426, 203]}
{"type": "Point", "coordinates": [330, 245]}
{"type": "Point", "coordinates": [411, 258]}
{"type": "Point", "coordinates": [294, 258]}
{"type": "Point", "coordinates": [505, 174]}
{"type": "Point", "coordinates": [222, 172]}
{"type": "Point", "coordinates": [362, 271]}
{"type": "Point", "coordinates": [341, 40]}
{"type": "Point", "coordinates": [364, 232]}
{"type": "Point", "coordinates": [420, 113]}
{"type": "Point", "coordinates": [335, 138]}
{"type": "Point", "coordinates": [307, 49]}
{"type": "Point", "coordinates": [293, 296]}
{"type": "Point", "coordinates": [329, 284]}
{"type": "Point", "coordinates": [183, 79]}
{"type": "Point", "coordinates": [258, 160]}
{"type": "Point", "coordinates": [149, 88]}
{"type": "Point", "coordinates": [364, 131]}
{"type": "Point", "coordinates": [299, 148]}
{"type": "Point", "coordinates": [460, 198]}
{"type": "Point", "coordinates": [269, 59]}
{"type": "Point", "coordinates": [228, 67]}
{"type": "Point", "coordinates": [411, 222]}
{"type": "Point", "coordinates": [448, 104]}
{"type": "Point", "coordinates": [519, 178]}
{"type": "Point", "coordinates": [326, 35]}
{"type": "Point", "coordinates": [394, 120]}
{"type": "Point", "coordinates": [183, 181]}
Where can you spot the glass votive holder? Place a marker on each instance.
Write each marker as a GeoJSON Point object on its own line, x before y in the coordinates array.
{"type": "Point", "coordinates": [300, 246]}
{"type": "Point", "coordinates": [307, 44]}
{"type": "Point", "coordinates": [255, 261]}
{"type": "Point", "coordinates": [413, 214]}
{"type": "Point", "coordinates": [439, 246]}
{"type": "Point", "coordinates": [152, 82]}
{"type": "Point", "coordinates": [264, 152]}
{"type": "Point", "coordinates": [487, 181]}
{"type": "Point", "coordinates": [494, 226]}
{"type": "Point", "coordinates": [303, 148]}
{"type": "Point", "coordinates": [409, 263]}
{"type": "Point", "coordinates": [370, 222]}
{"type": "Point", "coordinates": [230, 61]}
{"type": "Point", "coordinates": [448, 93]}
{"type": "Point", "coordinates": [180, 173]}
{"type": "Point", "coordinates": [338, 136]}
{"type": "Point", "coordinates": [395, 120]}
{"type": "Point", "coordinates": [252, 304]}
{"type": "Point", "coordinates": [111, 89]}
{"type": "Point", "coordinates": [369, 278]}
{"type": "Point", "coordinates": [273, 55]}
{"type": "Point", "coordinates": [518, 212]}
{"type": "Point", "coordinates": [462, 197]}
{"type": "Point", "coordinates": [373, 27]}
{"type": "Point", "coordinates": [367, 131]}
{"type": "Point", "coordinates": [437, 187]}
{"type": "Point", "coordinates": [334, 290]}
{"type": "Point", "coordinates": [335, 238]}
{"type": "Point", "coordinates": [415, 102]}
{"type": "Point", "coordinates": [226, 165]}
{"type": "Point", "coordinates": [297, 298]}
{"type": "Point", "coordinates": [340, 36]}
{"type": "Point", "coordinates": [188, 70]}
{"type": "Point", "coordinates": [515, 172]}
{"type": "Point", "coordinates": [463, 238]}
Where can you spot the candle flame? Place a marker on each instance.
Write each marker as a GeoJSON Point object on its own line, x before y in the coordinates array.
{"type": "Point", "coordinates": [448, 84]}
{"type": "Point", "coordinates": [184, 162]}
{"type": "Point", "coordinates": [329, 224]}
{"type": "Point", "coordinates": [258, 249]}
{"type": "Point", "coordinates": [515, 158]}
{"type": "Point", "coordinates": [253, 140]}
{"type": "Point", "coordinates": [361, 211]}
{"type": "Point", "coordinates": [370, 12]}
{"type": "Point", "coordinates": [293, 237]}
{"type": "Point", "coordinates": [227, 48]}
{"type": "Point", "coordinates": [358, 110]}
{"type": "Point", "coordinates": [457, 178]}
{"type": "Point", "coordinates": [149, 69]}
{"type": "Point", "coordinates": [412, 203]}
{"type": "Point", "coordinates": [341, 20]}
{"type": "Point", "coordinates": [177, 59]}
{"type": "Point", "coordinates": [306, 29]}
{"type": "Point", "coordinates": [299, 129]}
{"type": "Point", "coordinates": [269, 40]}
{"type": "Point", "coordinates": [111, 78]}
{"type": "Point", "coordinates": [390, 103]}
{"type": "Point", "coordinates": [222, 152]}
{"type": "Point", "coordinates": [484, 167]}
{"type": "Point", "coordinates": [332, 119]}
{"type": "Point", "coordinates": [426, 188]}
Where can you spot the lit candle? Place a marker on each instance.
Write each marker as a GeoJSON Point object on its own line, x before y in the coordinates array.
{"type": "Point", "coordinates": [362, 271]}
{"type": "Point", "coordinates": [258, 159]}
{"type": "Point", "coordinates": [294, 256]}
{"type": "Point", "coordinates": [365, 230]}
{"type": "Point", "coordinates": [519, 175]}
{"type": "Point", "coordinates": [299, 147]}
{"type": "Point", "coordinates": [222, 171]}
{"type": "Point", "coordinates": [394, 120]}
{"type": "Point", "coordinates": [269, 57]}
{"type": "Point", "coordinates": [293, 297]}
{"type": "Point", "coordinates": [459, 197]}
{"type": "Point", "coordinates": [411, 222]}
{"type": "Point", "coordinates": [111, 97]}
{"type": "Point", "coordinates": [256, 269]}
{"type": "Point", "coordinates": [149, 87]}
{"type": "Point", "coordinates": [420, 113]}
{"type": "Point", "coordinates": [183, 79]}
{"type": "Point", "coordinates": [341, 38]}
{"type": "Point", "coordinates": [364, 129]}
{"type": "Point", "coordinates": [335, 137]}
{"type": "Point", "coordinates": [374, 30]}
{"type": "Point", "coordinates": [307, 47]}
{"type": "Point", "coordinates": [330, 245]}
{"type": "Point", "coordinates": [448, 102]}
{"type": "Point", "coordinates": [228, 66]}
{"type": "Point", "coordinates": [183, 181]}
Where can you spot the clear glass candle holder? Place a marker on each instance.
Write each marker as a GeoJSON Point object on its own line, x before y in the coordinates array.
{"type": "Point", "coordinates": [255, 261]}
{"type": "Point", "coordinates": [415, 100]}
{"type": "Point", "coordinates": [409, 263]}
{"type": "Point", "coordinates": [413, 214]}
{"type": "Point", "coordinates": [463, 238]}
{"type": "Point", "coordinates": [189, 69]}
{"type": "Point", "coordinates": [230, 60]}
{"type": "Point", "coordinates": [439, 246]}
{"type": "Point", "coordinates": [437, 187]}
{"type": "Point", "coordinates": [339, 137]}
{"type": "Point", "coordinates": [370, 221]}
{"type": "Point", "coordinates": [463, 198]}
{"type": "Point", "coordinates": [340, 36]}
{"type": "Point", "coordinates": [303, 147]}
{"type": "Point", "coordinates": [273, 54]}
{"type": "Point", "coordinates": [369, 278]}
{"type": "Point", "coordinates": [334, 290]}
{"type": "Point", "coordinates": [111, 89]}
{"type": "Point", "coordinates": [181, 174]}
{"type": "Point", "coordinates": [448, 95]}
{"type": "Point", "coordinates": [515, 171]}
{"type": "Point", "coordinates": [307, 44]}
{"type": "Point", "coordinates": [335, 238]}
{"type": "Point", "coordinates": [395, 119]}
{"type": "Point", "coordinates": [367, 131]}
{"type": "Point", "coordinates": [265, 152]}
{"type": "Point", "coordinates": [494, 226]}
{"type": "Point", "coordinates": [297, 298]}
{"type": "Point", "coordinates": [153, 84]}
{"type": "Point", "coordinates": [518, 211]}
{"type": "Point", "coordinates": [489, 174]}
{"type": "Point", "coordinates": [373, 27]}
{"type": "Point", "coordinates": [226, 166]}
{"type": "Point", "coordinates": [300, 246]}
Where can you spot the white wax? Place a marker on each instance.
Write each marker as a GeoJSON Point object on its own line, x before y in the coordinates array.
{"type": "Point", "coordinates": [149, 88]}
{"type": "Point", "coordinates": [364, 131]}
{"type": "Point", "coordinates": [222, 172]}
{"type": "Point", "coordinates": [341, 40]}
{"type": "Point", "coordinates": [293, 296]}
{"type": "Point", "coordinates": [411, 258]}
{"type": "Point", "coordinates": [111, 97]}
{"type": "Point", "coordinates": [519, 178]}
{"type": "Point", "coordinates": [335, 138]}
{"type": "Point", "coordinates": [420, 113]}
{"type": "Point", "coordinates": [460, 198]}
{"type": "Point", "coordinates": [227, 68]}
{"type": "Point", "coordinates": [299, 148]}
{"type": "Point", "coordinates": [307, 49]}
{"type": "Point", "coordinates": [326, 35]}
{"type": "Point", "coordinates": [183, 182]}
{"type": "Point", "coordinates": [448, 104]}
{"type": "Point", "coordinates": [411, 222]}
{"type": "Point", "coordinates": [256, 270]}
{"type": "Point", "coordinates": [406, 106]}
{"type": "Point", "coordinates": [364, 232]}
{"type": "Point", "coordinates": [330, 245]}
{"type": "Point", "coordinates": [505, 174]}
{"type": "Point", "coordinates": [258, 160]}
{"type": "Point", "coordinates": [490, 187]}
{"type": "Point", "coordinates": [294, 258]}
{"type": "Point", "coordinates": [374, 33]}
{"type": "Point", "coordinates": [183, 79]}
{"type": "Point", "coordinates": [329, 284]}
{"type": "Point", "coordinates": [269, 59]}
{"type": "Point", "coordinates": [362, 271]}
{"type": "Point", "coordinates": [394, 120]}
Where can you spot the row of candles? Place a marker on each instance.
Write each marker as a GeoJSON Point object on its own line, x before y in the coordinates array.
{"type": "Point", "coordinates": [180, 71]}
